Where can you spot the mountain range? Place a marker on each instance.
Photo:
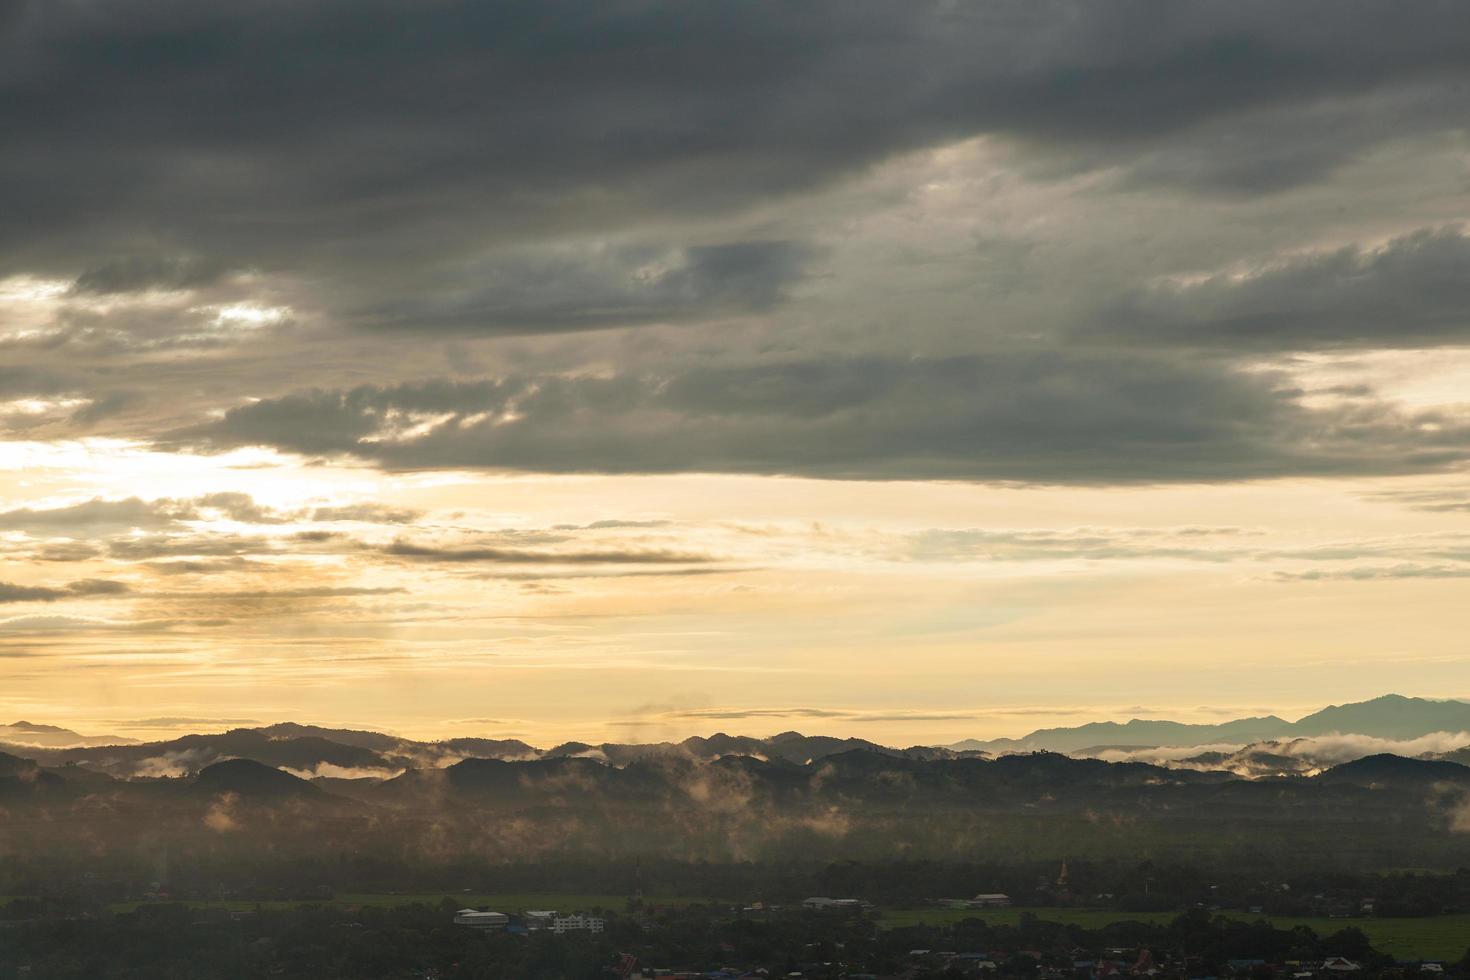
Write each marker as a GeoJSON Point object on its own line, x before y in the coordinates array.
{"type": "Point", "coordinates": [294, 791]}
{"type": "Point", "coordinates": [1250, 747]}
{"type": "Point", "coordinates": [1378, 811]}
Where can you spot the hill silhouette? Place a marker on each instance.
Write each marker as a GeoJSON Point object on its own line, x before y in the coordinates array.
{"type": "Point", "coordinates": [253, 781]}
{"type": "Point", "coordinates": [1397, 771]}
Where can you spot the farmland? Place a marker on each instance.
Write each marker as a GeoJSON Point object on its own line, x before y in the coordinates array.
{"type": "Point", "coordinates": [1440, 937]}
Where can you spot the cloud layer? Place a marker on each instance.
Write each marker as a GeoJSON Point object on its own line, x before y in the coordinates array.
{"type": "Point", "coordinates": [1043, 417]}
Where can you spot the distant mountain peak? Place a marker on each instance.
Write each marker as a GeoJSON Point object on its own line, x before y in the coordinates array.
{"type": "Point", "coordinates": [1389, 716]}
{"type": "Point", "coordinates": [30, 733]}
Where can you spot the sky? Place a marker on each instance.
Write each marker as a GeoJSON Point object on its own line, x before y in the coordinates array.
{"type": "Point", "coordinates": [624, 371]}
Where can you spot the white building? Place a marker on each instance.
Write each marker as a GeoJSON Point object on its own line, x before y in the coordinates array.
{"type": "Point", "coordinates": [988, 900]}
{"type": "Point", "coordinates": [476, 919]}
{"type": "Point", "coordinates": [562, 924]}
{"type": "Point", "coordinates": [1340, 964]}
{"type": "Point", "coordinates": [540, 918]}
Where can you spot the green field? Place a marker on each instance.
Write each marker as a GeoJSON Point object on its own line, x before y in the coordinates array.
{"type": "Point", "coordinates": [1442, 937]}
{"type": "Point", "coordinates": [1086, 918]}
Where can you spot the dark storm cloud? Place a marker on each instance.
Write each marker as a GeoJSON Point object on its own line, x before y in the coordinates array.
{"type": "Point", "coordinates": [589, 288]}
{"type": "Point", "coordinates": [154, 144]}
{"type": "Point", "coordinates": [1288, 145]}
{"type": "Point", "coordinates": [279, 174]}
{"type": "Point", "coordinates": [1412, 292]}
{"type": "Point", "coordinates": [132, 273]}
{"type": "Point", "coordinates": [1035, 417]}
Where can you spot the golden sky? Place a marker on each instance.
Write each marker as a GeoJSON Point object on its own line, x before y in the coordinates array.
{"type": "Point", "coordinates": [916, 373]}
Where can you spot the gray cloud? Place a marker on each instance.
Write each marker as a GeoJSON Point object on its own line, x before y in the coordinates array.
{"type": "Point", "coordinates": [845, 714]}
{"type": "Point", "coordinates": [389, 187]}
{"type": "Point", "coordinates": [1038, 417]}
{"type": "Point", "coordinates": [1286, 146]}
{"type": "Point", "coordinates": [976, 544]}
{"type": "Point", "coordinates": [309, 592]}
{"type": "Point", "coordinates": [591, 288]}
{"type": "Point", "coordinates": [10, 592]}
{"type": "Point", "coordinates": [42, 625]}
{"type": "Point", "coordinates": [513, 556]}
{"type": "Point", "coordinates": [144, 271]}
{"type": "Point", "coordinates": [212, 566]}
{"type": "Point", "coordinates": [367, 514]}
{"type": "Point", "coordinates": [240, 507]}
{"type": "Point", "coordinates": [612, 525]}
{"type": "Point", "coordinates": [97, 516]}
{"type": "Point", "coordinates": [1377, 573]}
{"type": "Point", "coordinates": [190, 546]}
{"type": "Point", "coordinates": [105, 406]}
{"type": "Point", "coordinates": [364, 142]}
{"type": "Point", "coordinates": [63, 551]}
{"type": "Point", "coordinates": [222, 551]}
{"type": "Point", "coordinates": [83, 588]}
{"type": "Point", "coordinates": [22, 381]}
{"type": "Point", "coordinates": [736, 714]}
{"type": "Point", "coordinates": [1433, 501]}
{"type": "Point", "coordinates": [1412, 292]}
{"type": "Point", "coordinates": [536, 577]}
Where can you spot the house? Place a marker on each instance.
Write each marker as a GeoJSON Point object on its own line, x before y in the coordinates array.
{"type": "Point", "coordinates": [476, 919]}
{"type": "Point", "coordinates": [990, 900]}
{"type": "Point", "coordinates": [1340, 964]}
{"type": "Point", "coordinates": [563, 924]}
